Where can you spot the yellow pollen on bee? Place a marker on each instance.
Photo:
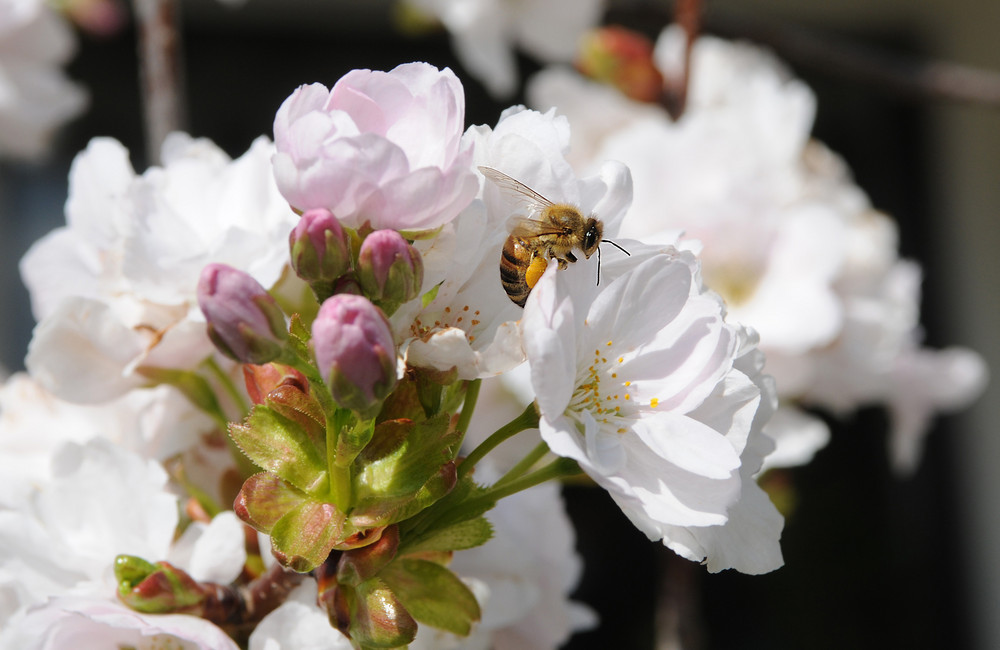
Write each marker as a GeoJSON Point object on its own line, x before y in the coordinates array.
{"type": "Point", "coordinates": [654, 402]}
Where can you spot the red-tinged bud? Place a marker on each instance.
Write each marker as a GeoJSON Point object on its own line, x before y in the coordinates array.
{"type": "Point", "coordinates": [319, 247]}
{"type": "Point", "coordinates": [390, 271]}
{"type": "Point", "coordinates": [262, 379]}
{"type": "Point", "coordinates": [623, 59]}
{"type": "Point", "coordinates": [156, 588]}
{"type": "Point", "coordinates": [244, 321]}
{"type": "Point", "coordinates": [360, 564]}
{"type": "Point", "coordinates": [355, 352]}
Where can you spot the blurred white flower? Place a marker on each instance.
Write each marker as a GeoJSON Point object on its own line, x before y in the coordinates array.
{"type": "Point", "coordinates": [35, 95]}
{"type": "Point", "coordinates": [485, 33]}
{"type": "Point", "coordinates": [786, 238]}
{"type": "Point", "coordinates": [114, 289]}
{"type": "Point", "coordinates": [661, 402]}
{"type": "Point", "coordinates": [298, 624]}
{"type": "Point", "coordinates": [57, 550]}
{"type": "Point", "coordinates": [156, 423]}
{"type": "Point", "coordinates": [383, 148]}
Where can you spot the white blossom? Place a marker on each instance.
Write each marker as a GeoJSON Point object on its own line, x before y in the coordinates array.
{"type": "Point", "coordinates": [114, 289]}
{"type": "Point", "coordinates": [36, 97]}
{"type": "Point", "coordinates": [485, 33]}
{"type": "Point", "coordinates": [661, 402]}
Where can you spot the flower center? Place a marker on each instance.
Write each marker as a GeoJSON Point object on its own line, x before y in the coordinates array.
{"type": "Point", "coordinates": [601, 390]}
{"type": "Point", "coordinates": [464, 318]}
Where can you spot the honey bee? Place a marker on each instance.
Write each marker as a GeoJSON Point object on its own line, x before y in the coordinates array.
{"type": "Point", "coordinates": [550, 231]}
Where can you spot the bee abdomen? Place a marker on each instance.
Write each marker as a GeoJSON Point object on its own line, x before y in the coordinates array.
{"type": "Point", "coordinates": [514, 261]}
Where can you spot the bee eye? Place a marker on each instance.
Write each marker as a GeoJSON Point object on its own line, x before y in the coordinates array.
{"type": "Point", "coordinates": [590, 238]}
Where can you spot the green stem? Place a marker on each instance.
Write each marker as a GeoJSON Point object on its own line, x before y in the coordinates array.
{"type": "Point", "coordinates": [527, 420]}
{"type": "Point", "coordinates": [227, 385]}
{"type": "Point", "coordinates": [340, 476]}
{"type": "Point", "coordinates": [524, 464]}
{"type": "Point", "coordinates": [559, 468]}
{"type": "Point", "coordinates": [469, 405]}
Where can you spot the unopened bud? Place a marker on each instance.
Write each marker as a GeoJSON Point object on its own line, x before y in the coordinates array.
{"type": "Point", "coordinates": [390, 271]}
{"type": "Point", "coordinates": [155, 588]}
{"type": "Point", "coordinates": [355, 352]}
{"type": "Point", "coordinates": [244, 321]}
{"type": "Point", "coordinates": [621, 58]}
{"type": "Point", "coordinates": [261, 380]}
{"type": "Point", "coordinates": [319, 249]}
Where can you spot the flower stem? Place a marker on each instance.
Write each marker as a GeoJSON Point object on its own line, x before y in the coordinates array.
{"type": "Point", "coordinates": [527, 420]}
{"type": "Point", "coordinates": [227, 384]}
{"type": "Point", "coordinates": [471, 396]}
{"type": "Point", "coordinates": [161, 71]}
{"type": "Point", "coordinates": [524, 464]}
{"type": "Point", "coordinates": [559, 468]}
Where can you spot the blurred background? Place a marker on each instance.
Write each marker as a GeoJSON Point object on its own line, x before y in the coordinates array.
{"type": "Point", "coordinates": [871, 560]}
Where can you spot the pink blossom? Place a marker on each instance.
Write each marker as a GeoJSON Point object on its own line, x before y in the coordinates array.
{"type": "Point", "coordinates": [383, 148]}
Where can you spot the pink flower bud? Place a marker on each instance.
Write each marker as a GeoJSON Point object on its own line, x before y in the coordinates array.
{"type": "Point", "coordinates": [390, 271]}
{"type": "Point", "coordinates": [244, 321]}
{"type": "Point", "coordinates": [319, 247]}
{"type": "Point", "coordinates": [355, 352]}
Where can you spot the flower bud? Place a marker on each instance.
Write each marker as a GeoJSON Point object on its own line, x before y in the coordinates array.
{"type": "Point", "coordinates": [355, 352]}
{"type": "Point", "coordinates": [155, 588]}
{"type": "Point", "coordinates": [319, 247]}
{"type": "Point", "coordinates": [623, 59]}
{"type": "Point", "coordinates": [390, 271]}
{"type": "Point", "coordinates": [244, 321]}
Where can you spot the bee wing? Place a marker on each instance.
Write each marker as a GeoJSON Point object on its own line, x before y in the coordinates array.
{"type": "Point", "coordinates": [521, 226]}
{"type": "Point", "coordinates": [516, 190]}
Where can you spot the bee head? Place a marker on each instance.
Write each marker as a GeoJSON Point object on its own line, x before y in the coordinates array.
{"type": "Point", "coordinates": [592, 233]}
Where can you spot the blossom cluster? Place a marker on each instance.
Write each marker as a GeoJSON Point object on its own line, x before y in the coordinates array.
{"type": "Point", "coordinates": [785, 237]}
{"type": "Point", "coordinates": [251, 380]}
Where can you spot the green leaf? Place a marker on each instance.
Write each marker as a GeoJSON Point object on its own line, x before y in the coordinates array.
{"type": "Point", "coordinates": [432, 594]}
{"type": "Point", "coordinates": [353, 440]}
{"type": "Point", "coordinates": [382, 511]}
{"type": "Point", "coordinates": [303, 538]}
{"type": "Point", "coordinates": [403, 456]}
{"type": "Point", "coordinates": [463, 535]}
{"type": "Point", "coordinates": [264, 499]}
{"type": "Point", "coordinates": [284, 446]}
{"type": "Point", "coordinates": [194, 387]}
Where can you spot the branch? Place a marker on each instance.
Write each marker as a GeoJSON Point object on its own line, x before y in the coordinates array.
{"type": "Point", "coordinates": [907, 76]}
{"type": "Point", "coordinates": [158, 28]}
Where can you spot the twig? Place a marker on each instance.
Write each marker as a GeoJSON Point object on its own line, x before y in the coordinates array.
{"type": "Point", "coordinates": [160, 71]}
{"type": "Point", "coordinates": [687, 14]}
{"type": "Point", "coordinates": [678, 616]}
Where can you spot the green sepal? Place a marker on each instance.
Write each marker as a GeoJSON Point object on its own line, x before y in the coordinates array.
{"type": "Point", "coordinates": [299, 337]}
{"type": "Point", "coordinates": [432, 594]}
{"type": "Point", "coordinates": [290, 448]}
{"type": "Point", "coordinates": [352, 440]}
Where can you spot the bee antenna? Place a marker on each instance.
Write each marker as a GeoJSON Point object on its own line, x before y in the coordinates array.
{"type": "Point", "coordinates": [618, 247]}
{"type": "Point", "coordinates": [598, 266]}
